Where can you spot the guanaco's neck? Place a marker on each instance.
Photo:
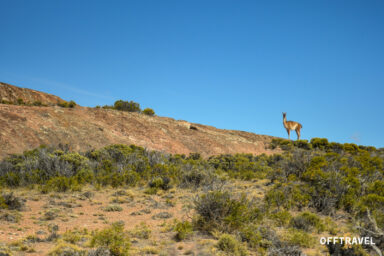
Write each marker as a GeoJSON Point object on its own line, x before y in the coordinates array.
{"type": "Point", "coordinates": [285, 121]}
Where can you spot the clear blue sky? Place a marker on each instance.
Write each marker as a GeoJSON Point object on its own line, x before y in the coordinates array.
{"type": "Point", "coordinates": [230, 64]}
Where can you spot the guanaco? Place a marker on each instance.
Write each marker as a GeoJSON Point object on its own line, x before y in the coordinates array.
{"type": "Point", "coordinates": [291, 125]}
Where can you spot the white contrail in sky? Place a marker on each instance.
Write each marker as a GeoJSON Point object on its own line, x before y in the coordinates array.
{"type": "Point", "coordinates": [68, 87]}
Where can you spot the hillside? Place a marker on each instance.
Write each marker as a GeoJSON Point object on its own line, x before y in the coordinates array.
{"type": "Point", "coordinates": [117, 199]}
{"type": "Point", "coordinates": [25, 127]}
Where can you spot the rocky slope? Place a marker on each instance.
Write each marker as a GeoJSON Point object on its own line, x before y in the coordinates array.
{"type": "Point", "coordinates": [81, 128]}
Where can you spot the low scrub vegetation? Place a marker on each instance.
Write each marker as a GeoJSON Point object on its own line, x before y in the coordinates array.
{"type": "Point", "coordinates": [307, 189]}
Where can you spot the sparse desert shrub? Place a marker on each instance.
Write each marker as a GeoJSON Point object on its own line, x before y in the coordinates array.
{"type": "Point", "coordinates": [319, 143]}
{"type": "Point", "coordinates": [287, 196]}
{"type": "Point", "coordinates": [351, 148]}
{"type": "Point", "coordinates": [336, 147]}
{"type": "Point", "coordinates": [150, 250]}
{"type": "Point", "coordinates": [222, 211]}
{"type": "Point", "coordinates": [72, 104]}
{"type": "Point", "coordinates": [160, 182]}
{"type": "Point", "coordinates": [101, 251]}
{"type": "Point", "coordinates": [194, 156]}
{"type": "Point", "coordinates": [250, 234]}
{"type": "Point", "coordinates": [303, 144]}
{"type": "Point", "coordinates": [307, 221]}
{"type": "Point", "coordinates": [162, 215]}
{"type": "Point", "coordinates": [114, 238]}
{"type": "Point", "coordinates": [113, 208]}
{"type": "Point", "coordinates": [13, 217]}
{"type": "Point", "coordinates": [183, 230]}
{"type": "Point", "coordinates": [11, 202]}
{"type": "Point", "coordinates": [230, 245]}
{"type": "Point", "coordinates": [51, 214]}
{"type": "Point", "coordinates": [66, 104]}
{"type": "Point", "coordinates": [58, 184]}
{"type": "Point", "coordinates": [281, 218]}
{"type": "Point", "coordinates": [130, 178]}
{"type": "Point", "coordinates": [375, 204]}
{"type": "Point", "coordinates": [4, 250]}
{"type": "Point", "coordinates": [63, 104]}
{"type": "Point", "coordinates": [340, 250]}
{"type": "Point", "coordinates": [76, 160]}
{"type": "Point", "coordinates": [20, 101]}
{"type": "Point", "coordinates": [291, 166]}
{"type": "Point", "coordinates": [12, 179]}
{"type": "Point", "coordinates": [37, 103]}
{"type": "Point", "coordinates": [282, 143]}
{"type": "Point", "coordinates": [149, 112]}
{"type": "Point", "coordinates": [141, 231]}
{"type": "Point", "coordinates": [283, 248]}
{"type": "Point", "coordinates": [330, 226]}
{"type": "Point", "coordinates": [66, 249]}
{"type": "Point", "coordinates": [299, 238]}
{"type": "Point", "coordinates": [196, 176]}
{"type": "Point", "coordinates": [74, 236]}
{"type": "Point", "coordinates": [376, 187]}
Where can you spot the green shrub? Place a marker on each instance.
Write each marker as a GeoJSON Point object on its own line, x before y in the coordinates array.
{"type": "Point", "coordinates": [63, 104]}
{"type": "Point", "coordinates": [282, 143]}
{"type": "Point", "coordinates": [287, 196]}
{"type": "Point", "coordinates": [281, 218]}
{"type": "Point", "coordinates": [74, 236]}
{"type": "Point", "coordinates": [196, 176]}
{"type": "Point", "coordinates": [183, 230]}
{"type": "Point", "coordinates": [20, 101]}
{"type": "Point", "coordinates": [129, 106]}
{"type": "Point", "coordinates": [11, 202]}
{"type": "Point", "coordinates": [351, 148]}
{"type": "Point", "coordinates": [3, 205]}
{"type": "Point", "coordinates": [141, 231]}
{"type": "Point", "coordinates": [66, 104]}
{"type": "Point", "coordinates": [37, 103]}
{"type": "Point", "coordinates": [222, 211]}
{"type": "Point", "coordinates": [149, 112]}
{"type": "Point", "coordinates": [72, 104]}
{"type": "Point", "coordinates": [299, 238]}
{"type": "Point", "coordinates": [113, 208]}
{"type": "Point", "coordinates": [228, 244]}
{"type": "Point", "coordinates": [336, 147]}
{"type": "Point", "coordinates": [160, 183]}
{"type": "Point", "coordinates": [76, 160]}
{"type": "Point", "coordinates": [303, 144]}
{"type": "Point", "coordinates": [376, 187]}
{"type": "Point", "coordinates": [342, 249]}
{"type": "Point", "coordinates": [58, 184]}
{"type": "Point", "coordinates": [67, 249]}
{"type": "Point", "coordinates": [319, 143]}
{"type": "Point", "coordinates": [194, 156]}
{"type": "Point", "coordinates": [307, 221]}
{"type": "Point", "coordinates": [114, 238]}
{"type": "Point", "coordinates": [249, 233]}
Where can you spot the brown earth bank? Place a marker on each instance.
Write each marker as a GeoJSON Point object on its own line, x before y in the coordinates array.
{"type": "Point", "coordinates": [81, 128]}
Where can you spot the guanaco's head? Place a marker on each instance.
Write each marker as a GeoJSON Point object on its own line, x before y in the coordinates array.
{"type": "Point", "coordinates": [284, 114]}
